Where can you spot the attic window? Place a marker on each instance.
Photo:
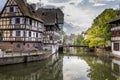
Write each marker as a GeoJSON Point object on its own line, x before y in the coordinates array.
{"type": "Point", "coordinates": [11, 9]}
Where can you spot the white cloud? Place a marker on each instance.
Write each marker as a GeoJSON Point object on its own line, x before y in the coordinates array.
{"type": "Point", "coordinates": [79, 18]}
{"type": "Point", "coordinates": [99, 4]}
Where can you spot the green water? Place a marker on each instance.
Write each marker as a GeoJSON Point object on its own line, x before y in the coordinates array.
{"type": "Point", "coordinates": [61, 67]}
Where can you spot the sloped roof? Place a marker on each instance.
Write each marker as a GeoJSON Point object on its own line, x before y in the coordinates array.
{"type": "Point", "coordinates": [27, 10]}
{"type": "Point", "coordinates": [51, 16]}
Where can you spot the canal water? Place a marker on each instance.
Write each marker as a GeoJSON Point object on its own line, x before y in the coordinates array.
{"type": "Point", "coordinates": [64, 67]}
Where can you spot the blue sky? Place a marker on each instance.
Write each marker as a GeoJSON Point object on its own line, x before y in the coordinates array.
{"type": "Point", "coordinates": [79, 14]}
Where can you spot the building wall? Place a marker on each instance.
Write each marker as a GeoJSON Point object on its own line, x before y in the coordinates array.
{"type": "Point", "coordinates": [19, 46]}
{"type": "Point", "coordinates": [113, 51]}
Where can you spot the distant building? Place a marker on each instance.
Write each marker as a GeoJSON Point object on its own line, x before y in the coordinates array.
{"type": "Point", "coordinates": [53, 22]}
{"type": "Point", "coordinates": [70, 39]}
{"type": "Point", "coordinates": [84, 34]}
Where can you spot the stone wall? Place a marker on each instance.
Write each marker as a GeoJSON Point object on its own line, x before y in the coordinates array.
{"type": "Point", "coordinates": [19, 46]}
{"type": "Point", "coordinates": [23, 59]}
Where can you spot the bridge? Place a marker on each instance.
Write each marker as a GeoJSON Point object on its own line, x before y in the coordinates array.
{"type": "Point", "coordinates": [74, 46]}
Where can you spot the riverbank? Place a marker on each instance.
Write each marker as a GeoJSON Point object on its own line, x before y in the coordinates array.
{"type": "Point", "coordinates": [16, 58]}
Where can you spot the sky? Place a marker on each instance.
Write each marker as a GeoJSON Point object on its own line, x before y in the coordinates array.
{"type": "Point", "coordinates": [79, 14]}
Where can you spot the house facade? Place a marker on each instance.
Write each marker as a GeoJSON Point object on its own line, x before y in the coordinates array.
{"type": "Point", "coordinates": [115, 37]}
{"type": "Point", "coordinates": [22, 29]}
{"type": "Point", "coordinates": [53, 22]}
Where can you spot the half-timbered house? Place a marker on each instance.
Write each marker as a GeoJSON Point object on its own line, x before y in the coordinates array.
{"type": "Point", "coordinates": [53, 22]}
{"type": "Point", "coordinates": [22, 29]}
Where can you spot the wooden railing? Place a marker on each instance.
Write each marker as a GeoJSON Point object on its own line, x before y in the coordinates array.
{"type": "Point", "coordinates": [13, 26]}
{"type": "Point", "coordinates": [22, 39]}
{"type": "Point", "coordinates": [115, 28]}
{"type": "Point", "coordinates": [115, 38]}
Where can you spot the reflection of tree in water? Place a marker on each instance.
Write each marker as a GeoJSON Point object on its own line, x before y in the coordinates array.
{"type": "Point", "coordinates": [45, 70]}
{"type": "Point", "coordinates": [100, 70]}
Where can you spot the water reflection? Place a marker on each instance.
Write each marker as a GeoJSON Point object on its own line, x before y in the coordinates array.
{"type": "Point", "coordinates": [46, 70]}
{"type": "Point", "coordinates": [116, 68]}
{"type": "Point", "coordinates": [74, 68]}
{"type": "Point", "coordinates": [61, 67]}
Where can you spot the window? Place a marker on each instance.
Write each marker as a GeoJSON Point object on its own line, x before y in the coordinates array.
{"type": "Point", "coordinates": [51, 38]}
{"type": "Point", "coordinates": [11, 9]}
{"type": "Point", "coordinates": [18, 46]}
{"type": "Point", "coordinates": [29, 33]}
{"type": "Point", "coordinates": [116, 46]}
{"type": "Point", "coordinates": [36, 34]}
{"type": "Point", "coordinates": [30, 21]}
{"type": "Point", "coordinates": [17, 20]}
{"type": "Point", "coordinates": [18, 33]}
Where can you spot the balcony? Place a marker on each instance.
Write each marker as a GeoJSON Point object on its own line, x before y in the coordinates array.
{"type": "Point", "coordinates": [14, 39]}
{"type": "Point", "coordinates": [115, 38]}
{"type": "Point", "coordinates": [33, 39]}
{"type": "Point", "coordinates": [13, 26]}
{"type": "Point", "coordinates": [115, 28]}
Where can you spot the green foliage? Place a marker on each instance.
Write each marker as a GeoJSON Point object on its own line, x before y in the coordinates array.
{"type": "Point", "coordinates": [78, 41]}
{"type": "Point", "coordinates": [64, 37]}
{"type": "Point", "coordinates": [99, 34]}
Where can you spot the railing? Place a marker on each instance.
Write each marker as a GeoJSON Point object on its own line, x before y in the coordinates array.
{"type": "Point", "coordinates": [22, 39]}
{"type": "Point", "coordinates": [14, 39]}
{"type": "Point", "coordinates": [115, 28]}
{"type": "Point", "coordinates": [115, 38]}
{"type": "Point", "coordinates": [33, 39]}
{"type": "Point", "coordinates": [12, 26]}
{"type": "Point", "coordinates": [34, 28]}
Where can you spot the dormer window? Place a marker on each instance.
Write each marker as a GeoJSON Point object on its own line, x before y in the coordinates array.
{"type": "Point", "coordinates": [12, 9]}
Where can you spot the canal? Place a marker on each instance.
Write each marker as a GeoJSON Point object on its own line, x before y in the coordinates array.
{"type": "Point", "coordinates": [64, 67]}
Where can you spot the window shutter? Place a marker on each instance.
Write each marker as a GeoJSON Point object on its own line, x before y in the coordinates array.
{"type": "Point", "coordinates": [14, 33]}
{"type": "Point", "coordinates": [13, 20]}
{"type": "Point", "coordinates": [14, 9]}
{"type": "Point", "coordinates": [21, 19]}
{"type": "Point", "coordinates": [8, 9]}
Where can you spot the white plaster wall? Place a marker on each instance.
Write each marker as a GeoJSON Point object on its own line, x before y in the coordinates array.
{"type": "Point", "coordinates": [115, 52]}
{"type": "Point", "coordinates": [22, 33]}
{"type": "Point", "coordinates": [27, 33]}
{"type": "Point", "coordinates": [14, 33]}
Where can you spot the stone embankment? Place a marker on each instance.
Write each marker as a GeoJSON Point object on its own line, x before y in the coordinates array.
{"type": "Point", "coordinates": [15, 58]}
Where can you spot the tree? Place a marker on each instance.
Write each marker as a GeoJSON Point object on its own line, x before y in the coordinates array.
{"type": "Point", "coordinates": [99, 34]}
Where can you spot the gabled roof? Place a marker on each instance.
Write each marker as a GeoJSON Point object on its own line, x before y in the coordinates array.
{"type": "Point", "coordinates": [51, 16]}
{"type": "Point", "coordinates": [27, 10]}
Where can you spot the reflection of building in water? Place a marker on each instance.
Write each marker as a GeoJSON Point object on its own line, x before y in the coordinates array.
{"type": "Point", "coordinates": [47, 70]}
{"type": "Point", "coordinates": [116, 68]}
